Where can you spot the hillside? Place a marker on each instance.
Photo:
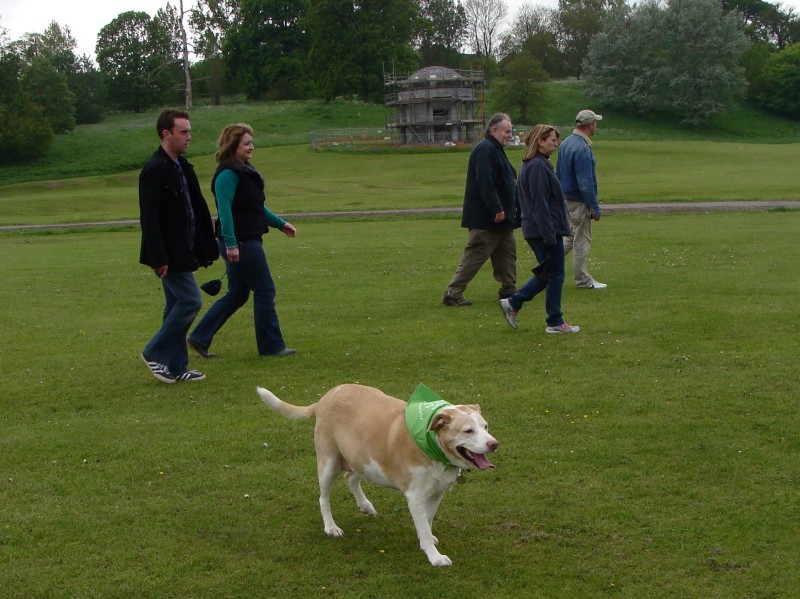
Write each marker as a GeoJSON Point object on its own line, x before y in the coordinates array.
{"type": "Point", "coordinates": [123, 142]}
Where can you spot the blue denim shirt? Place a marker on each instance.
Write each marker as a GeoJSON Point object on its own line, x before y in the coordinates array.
{"type": "Point", "coordinates": [576, 171]}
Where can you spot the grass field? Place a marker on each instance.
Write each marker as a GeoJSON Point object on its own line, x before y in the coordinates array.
{"type": "Point", "coordinates": [652, 455]}
{"type": "Point", "coordinates": [300, 180]}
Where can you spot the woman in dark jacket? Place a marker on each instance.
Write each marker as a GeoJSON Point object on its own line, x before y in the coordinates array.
{"type": "Point", "coordinates": [545, 222]}
{"type": "Point", "coordinates": [243, 218]}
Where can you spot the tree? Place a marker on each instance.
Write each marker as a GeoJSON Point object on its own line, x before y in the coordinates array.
{"type": "Point", "coordinates": [210, 22]}
{"type": "Point", "coordinates": [48, 66]}
{"type": "Point", "coordinates": [766, 22]}
{"type": "Point", "coordinates": [518, 91]}
{"type": "Point", "coordinates": [56, 45]}
{"type": "Point", "coordinates": [693, 71]}
{"type": "Point", "coordinates": [266, 52]}
{"type": "Point", "coordinates": [354, 44]}
{"type": "Point", "coordinates": [169, 21]}
{"type": "Point", "coordinates": [48, 88]}
{"type": "Point", "coordinates": [578, 22]}
{"type": "Point", "coordinates": [87, 85]}
{"type": "Point", "coordinates": [781, 82]}
{"type": "Point", "coordinates": [484, 20]}
{"type": "Point", "coordinates": [24, 131]}
{"type": "Point", "coordinates": [136, 55]}
{"type": "Point", "coordinates": [534, 30]}
{"type": "Point", "coordinates": [442, 32]}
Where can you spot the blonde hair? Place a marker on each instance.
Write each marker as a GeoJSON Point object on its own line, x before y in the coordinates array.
{"type": "Point", "coordinates": [229, 140]}
{"type": "Point", "coordinates": [534, 136]}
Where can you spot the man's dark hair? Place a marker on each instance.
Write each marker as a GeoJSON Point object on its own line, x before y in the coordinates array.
{"type": "Point", "coordinates": [166, 120]}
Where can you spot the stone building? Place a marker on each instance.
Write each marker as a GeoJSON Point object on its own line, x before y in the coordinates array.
{"type": "Point", "coordinates": [436, 105]}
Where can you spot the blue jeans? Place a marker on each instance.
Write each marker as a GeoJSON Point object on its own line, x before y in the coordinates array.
{"type": "Point", "coordinates": [552, 257]}
{"type": "Point", "coordinates": [251, 273]}
{"type": "Point", "coordinates": [183, 303]}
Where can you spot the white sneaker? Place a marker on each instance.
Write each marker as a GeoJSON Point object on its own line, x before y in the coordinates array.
{"type": "Point", "coordinates": [508, 312]}
{"type": "Point", "coordinates": [597, 285]}
{"type": "Point", "coordinates": [562, 328]}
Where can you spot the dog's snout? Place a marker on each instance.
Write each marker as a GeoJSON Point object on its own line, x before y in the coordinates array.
{"type": "Point", "coordinates": [492, 445]}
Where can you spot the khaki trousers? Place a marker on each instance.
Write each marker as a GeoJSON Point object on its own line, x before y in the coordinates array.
{"type": "Point", "coordinates": [580, 242]}
{"type": "Point", "coordinates": [500, 247]}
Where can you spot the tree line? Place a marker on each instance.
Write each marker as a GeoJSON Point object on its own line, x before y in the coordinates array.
{"type": "Point", "coordinates": [690, 58]}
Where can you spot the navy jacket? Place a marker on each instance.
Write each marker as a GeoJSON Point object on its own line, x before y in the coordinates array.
{"type": "Point", "coordinates": [491, 188]}
{"type": "Point", "coordinates": [165, 219]}
{"type": "Point", "coordinates": [544, 212]}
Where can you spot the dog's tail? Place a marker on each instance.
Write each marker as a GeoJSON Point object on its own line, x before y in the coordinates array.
{"type": "Point", "coordinates": [286, 409]}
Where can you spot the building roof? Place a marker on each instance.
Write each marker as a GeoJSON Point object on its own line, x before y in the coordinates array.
{"type": "Point", "coordinates": [435, 73]}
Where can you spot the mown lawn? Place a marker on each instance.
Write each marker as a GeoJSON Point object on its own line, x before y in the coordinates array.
{"type": "Point", "coordinates": [651, 455]}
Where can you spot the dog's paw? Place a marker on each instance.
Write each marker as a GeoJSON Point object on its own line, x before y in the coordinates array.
{"type": "Point", "coordinates": [441, 560]}
{"type": "Point", "coordinates": [368, 509]}
{"type": "Point", "coordinates": [334, 531]}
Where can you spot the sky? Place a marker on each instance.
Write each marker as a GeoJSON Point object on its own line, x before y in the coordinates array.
{"type": "Point", "coordinates": [85, 19]}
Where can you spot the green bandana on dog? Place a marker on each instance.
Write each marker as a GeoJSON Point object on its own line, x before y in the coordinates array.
{"type": "Point", "coordinates": [422, 407]}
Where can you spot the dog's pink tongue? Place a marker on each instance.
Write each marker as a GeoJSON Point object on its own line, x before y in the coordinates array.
{"type": "Point", "coordinates": [481, 462]}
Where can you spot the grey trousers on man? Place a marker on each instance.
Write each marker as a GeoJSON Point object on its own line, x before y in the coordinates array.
{"type": "Point", "coordinates": [500, 247]}
{"type": "Point", "coordinates": [580, 242]}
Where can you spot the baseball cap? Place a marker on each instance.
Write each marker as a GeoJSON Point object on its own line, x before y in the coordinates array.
{"type": "Point", "coordinates": [584, 117]}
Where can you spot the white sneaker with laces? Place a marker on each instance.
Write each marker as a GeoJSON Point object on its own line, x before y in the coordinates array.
{"type": "Point", "coordinates": [562, 328]}
{"type": "Point", "coordinates": [597, 285]}
{"type": "Point", "coordinates": [508, 312]}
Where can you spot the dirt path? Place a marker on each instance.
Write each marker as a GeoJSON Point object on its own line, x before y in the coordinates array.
{"type": "Point", "coordinates": [608, 209]}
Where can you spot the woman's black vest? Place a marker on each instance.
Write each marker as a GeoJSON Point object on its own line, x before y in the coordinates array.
{"type": "Point", "coordinates": [249, 218]}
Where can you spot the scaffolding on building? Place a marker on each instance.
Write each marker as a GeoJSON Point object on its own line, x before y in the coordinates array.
{"type": "Point", "coordinates": [436, 105]}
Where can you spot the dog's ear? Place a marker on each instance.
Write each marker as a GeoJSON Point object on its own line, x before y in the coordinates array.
{"type": "Point", "coordinates": [439, 421]}
{"type": "Point", "coordinates": [475, 407]}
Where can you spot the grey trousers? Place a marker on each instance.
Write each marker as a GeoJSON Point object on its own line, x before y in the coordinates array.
{"type": "Point", "coordinates": [580, 242]}
{"type": "Point", "coordinates": [500, 247]}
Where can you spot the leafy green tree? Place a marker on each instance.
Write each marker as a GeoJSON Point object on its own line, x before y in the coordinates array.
{"type": "Point", "coordinates": [57, 47]}
{"type": "Point", "coordinates": [518, 90]}
{"type": "Point", "coordinates": [266, 52]}
{"type": "Point", "coordinates": [781, 82]}
{"type": "Point", "coordinates": [579, 21]}
{"type": "Point", "coordinates": [48, 88]}
{"type": "Point", "coordinates": [693, 71]}
{"type": "Point", "coordinates": [753, 61]}
{"type": "Point", "coordinates": [136, 55]}
{"type": "Point", "coordinates": [25, 133]}
{"type": "Point", "coordinates": [534, 30]}
{"type": "Point", "coordinates": [766, 22]}
{"type": "Point", "coordinates": [56, 44]}
{"type": "Point", "coordinates": [441, 33]}
{"type": "Point", "coordinates": [210, 22]}
{"type": "Point", "coordinates": [354, 44]}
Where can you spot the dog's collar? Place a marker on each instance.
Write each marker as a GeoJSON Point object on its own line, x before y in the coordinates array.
{"type": "Point", "coordinates": [422, 407]}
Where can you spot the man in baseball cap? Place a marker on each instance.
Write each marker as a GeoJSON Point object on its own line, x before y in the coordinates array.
{"type": "Point", "coordinates": [576, 172]}
{"type": "Point", "coordinates": [587, 117]}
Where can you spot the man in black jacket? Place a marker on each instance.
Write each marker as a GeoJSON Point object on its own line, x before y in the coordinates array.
{"type": "Point", "coordinates": [177, 238]}
{"type": "Point", "coordinates": [490, 215]}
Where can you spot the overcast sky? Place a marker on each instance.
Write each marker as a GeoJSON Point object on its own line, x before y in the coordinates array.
{"type": "Point", "coordinates": [85, 19]}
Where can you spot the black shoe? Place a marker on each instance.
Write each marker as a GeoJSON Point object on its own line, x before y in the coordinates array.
{"type": "Point", "coordinates": [459, 302]}
{"type": "Point", "coordinates": [283, 353]}
{"type": "Point", "coordinates": [202, 351]}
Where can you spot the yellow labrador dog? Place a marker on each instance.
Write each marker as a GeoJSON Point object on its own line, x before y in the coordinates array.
{"type": "Point", "coordinates": [417, 447]}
